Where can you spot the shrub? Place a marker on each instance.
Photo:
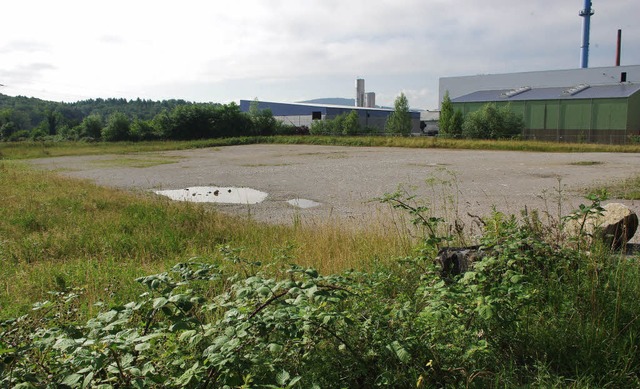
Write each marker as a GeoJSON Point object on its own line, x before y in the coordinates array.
{"type": "Point", "coordinates": [320, 127]}
{"type": "Point", "coordinates": [351, 124]}
{"type": "Point", "coordinates": [528, 313]}
{"type": "Point", "coordinates": [118, 128]}
{"type": "Point", "coordinates": [491, 122]}
{"type": "Point", "coordinates": [19, 135]}
{"type": "Point", "coordinates": [91, 127]}
{"type": "Point", "coordinates": [143, 130]}
{"type": "Point", "coordinates": [264, 123]}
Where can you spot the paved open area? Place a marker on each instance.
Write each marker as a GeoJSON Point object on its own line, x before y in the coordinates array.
{"type": "Point", "coordinates": [346, 180]}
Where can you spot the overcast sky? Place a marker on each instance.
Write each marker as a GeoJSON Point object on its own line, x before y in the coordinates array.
{"type": "Point", "coordinates": [292, 50]}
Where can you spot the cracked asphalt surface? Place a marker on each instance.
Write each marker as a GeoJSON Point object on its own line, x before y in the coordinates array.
{"type": "Point", "coordinates": [345, 180]}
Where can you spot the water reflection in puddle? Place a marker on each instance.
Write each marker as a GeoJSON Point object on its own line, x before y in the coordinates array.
{"type": "Point", "coordinates": [211, 194]}
{"type": "Point", "coordinates": [303, 203]}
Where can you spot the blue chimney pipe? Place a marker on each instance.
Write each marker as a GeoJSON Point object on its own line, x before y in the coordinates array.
{"type": "Point", "coordinates": [586, 26]}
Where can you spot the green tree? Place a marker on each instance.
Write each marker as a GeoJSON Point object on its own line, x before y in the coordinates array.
{"type": "Point", "coordinates": [492, 122]}
{"type": "Point", "coordinates": [118, 128]}
{"type": "Point", "coordinates": [450, 120]}
{"type": "Point", "coordinates": [91, 127]}
{"type": "Point", "coordinates": [70, 133]}
{"type": "Point", "coordinates": [40, 135]}
{"type": "Point", "coordinates": [351, 123]}
{"type": "Point", "coordinates": [142, 130]}
{"type": "Point", "coordinates": [7, 126]}
{"type": "Point", "coordinates": [263, 121]}
{"type": "Point", "coordinates": [186, 122]}
{"type": "Point", "coordinates": [399, 122]}
{"type": "Point", "coordinates": [254, 107]}
{"type": "Point", "coordinates": [456, 124]}
{"type": "Point", "coordinates": [163, 124]}
{"type": "Point", "coordinates": [230, 121]}
{"type": "Point", "coordinates": [53, 120]}
{"type": "Point", "coordinates": [336, 124]}
{"type": "Point", "coordinates": [7, 130]}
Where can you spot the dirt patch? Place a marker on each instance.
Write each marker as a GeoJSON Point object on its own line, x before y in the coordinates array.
{"type": "Point", "coordinates": [345, 180]}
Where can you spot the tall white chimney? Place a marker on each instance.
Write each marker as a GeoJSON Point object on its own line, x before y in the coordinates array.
{"type": "Point", "coordinates": [370, 99]}
{"type": "Point", "coordinates": [359, 92]}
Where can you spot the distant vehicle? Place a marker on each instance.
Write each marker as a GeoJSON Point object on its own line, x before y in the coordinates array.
{"type": "Point", "coordinates": [429, 128]}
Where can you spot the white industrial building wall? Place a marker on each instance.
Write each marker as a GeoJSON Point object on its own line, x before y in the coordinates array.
{"type": "Point", "coordinates": [460, 86]}
{"type": "Point", "coordinates": [296, 120]}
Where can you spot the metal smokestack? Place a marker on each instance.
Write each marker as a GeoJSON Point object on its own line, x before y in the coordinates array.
{"type": "Point", "coordinates": [586, 26]}
{"type": "Point", "coordinates": [618, 47]}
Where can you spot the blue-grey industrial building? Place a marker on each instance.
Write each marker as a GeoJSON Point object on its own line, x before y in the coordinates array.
{"type": "Point", "coordinates": [303, 114]}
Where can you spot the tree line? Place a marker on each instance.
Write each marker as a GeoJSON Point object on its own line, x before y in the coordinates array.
{"type": "Point", "coordinates": [23, 118]}
{"type": "Point", "coordinates": [489, 122]}
{"type": "Point", "coordinates": [398, 123]}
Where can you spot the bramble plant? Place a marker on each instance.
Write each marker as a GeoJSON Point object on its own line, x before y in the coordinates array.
{"type": "Point", "coordinates": [528, 313]}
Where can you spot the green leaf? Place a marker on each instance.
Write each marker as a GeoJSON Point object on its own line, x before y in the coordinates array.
{"type": "Point", "coordinates": [186, 334]}
{"type": "Point", "coordinates": [515, 279]}
{"type": "Point", "coordinates": [282, 378]}
{"type": "Point", "coordinates": [64, 344]}
{"type": "Point", "coordinates": [313, 273]}
{"type": "Point", "coordinates": [294, 381]}
{"type": "Point", "coordinates": [143, 346]}
{"type": "Point", "coordinates": [127, 360]}
{"type": "Point", "coordinates": [179, 325]}
{"type": "Point", "coordinates": [159, 302]}
{"type": "Point", "coordinates": [264, 291]}
{"type": "Point", "coordinates": [400, 352]}
{"type": "Point", "coordinates": [275, 348]}
{"type": "Point", "coordinates": [86, 383]}
{"type": "Point", "coordinates": [107, 317]}
{"type": "Point", "coordinates": [71, 380]}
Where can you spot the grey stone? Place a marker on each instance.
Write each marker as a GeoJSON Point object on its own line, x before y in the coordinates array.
{"type": "Point", "coordinates": [454, 261]}
{"type": "Point", "coordinates": [618, 225]}
{"type": "Point", "coordinates": [615, 227]}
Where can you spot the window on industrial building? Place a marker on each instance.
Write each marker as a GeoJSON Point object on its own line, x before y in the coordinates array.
{"type": "Point", "coordinates": [623, 77]}
{"type": "Point", "coordinates": [316, 115]}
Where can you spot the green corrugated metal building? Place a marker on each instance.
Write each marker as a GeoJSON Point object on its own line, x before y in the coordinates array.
{"type": "Point", "coordinates": [581, 113]}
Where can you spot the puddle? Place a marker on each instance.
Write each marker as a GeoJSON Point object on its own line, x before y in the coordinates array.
{"type": "Point", "coordinates": [303, 203]}
{"type": "Point", "coordinates": [212, 194]}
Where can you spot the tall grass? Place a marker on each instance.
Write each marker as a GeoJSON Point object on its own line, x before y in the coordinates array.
{"type": "Point", "coordinates": [534, 312]}
{"type": "Point", "coordinates": [25, 150]}
{"type": "Point", "coordinates": [28, 150]}
{"type": "Point", "coordinates": [628, 189]}
{"type": "Point", "coordinates": [57, 233]}
{"type": "Point", "coordinates": [530, 312]}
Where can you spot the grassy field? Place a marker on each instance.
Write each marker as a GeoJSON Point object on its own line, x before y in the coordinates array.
{"type": "Point", "coordinates": [57, 232]}
{"type": "Point", "coordinates": [25, 150]}
{"type": "Point", "coordinates": [361, 307]}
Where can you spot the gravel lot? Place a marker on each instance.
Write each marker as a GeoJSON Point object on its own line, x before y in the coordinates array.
{"type": "Point", "coordinates": [344, 180]}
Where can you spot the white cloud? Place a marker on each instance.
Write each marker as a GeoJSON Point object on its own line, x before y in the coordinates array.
{"type": "Point", "coordinates": [293, 49]}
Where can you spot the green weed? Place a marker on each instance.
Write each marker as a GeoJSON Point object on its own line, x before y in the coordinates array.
{"type": "Point", "coordinates": [528, 313]}
{"type": "Point", "coordinates": [359, 308]}
{"type": "Point", "coordinates": [628, 189]}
